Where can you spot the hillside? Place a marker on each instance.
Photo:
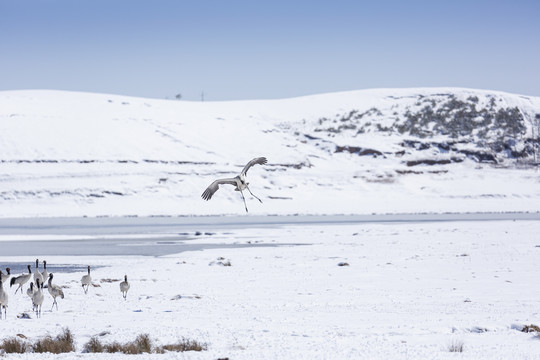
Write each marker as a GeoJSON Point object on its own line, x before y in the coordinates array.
{"type": "Point", "coordinates": [371, 151]}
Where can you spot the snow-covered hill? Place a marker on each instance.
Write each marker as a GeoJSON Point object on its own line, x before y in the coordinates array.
{"type": "Point", "coordinates": [371, 151]}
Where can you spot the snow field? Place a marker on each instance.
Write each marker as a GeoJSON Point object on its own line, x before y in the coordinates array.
{"type": "Point", "coordinates": [76, 154]}
{"type": "Point", "coordinates": [409, 292]}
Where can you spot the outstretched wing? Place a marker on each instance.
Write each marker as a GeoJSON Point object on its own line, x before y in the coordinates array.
{"type": "Point", "coordinates": [207, 194]}
{"type": "Point", "coordinates": [259, 160]}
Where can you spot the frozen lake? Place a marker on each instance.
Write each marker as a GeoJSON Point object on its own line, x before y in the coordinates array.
{"type": "Point", "coordinates": [158, 236]}
{"type": "Point", "coordinates": [127, 225]}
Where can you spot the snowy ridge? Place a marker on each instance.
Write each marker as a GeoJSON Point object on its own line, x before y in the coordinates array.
{"type": "Point", "coordinates": [361, 152]}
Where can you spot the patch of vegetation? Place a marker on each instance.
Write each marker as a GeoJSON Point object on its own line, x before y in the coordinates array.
{"type": "Point", "coordinates": [433, 161]}
{"type": "Point", "coordinates": [406, 172]}
{"type": "Point", "coordinates": [482, 121]}
{"type": "Point", "coordinates": [531, 328]}
{"type": "Point", "coordinates": [380, 178]}
{"type": "Point", "coordinates": [14, 345]}
{"type": "Point", "coordinates": [62, 343]}
{"type": "Point", "coordinates": [498, 130]}
{"type": "Point", "coordinates": [359, 151]}
{"type": "Point", "coordinates": [94, 345]}
{"type": "Point", "coordinates": [183, 345]}
{"type": "Point", "coordinates": [476, 155]}
{"type": "Point", "coordinates": [456, 346]}
{"type": "Point", "coordinates": [348, 121]}
{"type": "Point", "coordinates": [142, 345]}
{"type": "Point", "coordinates": [473, 99]}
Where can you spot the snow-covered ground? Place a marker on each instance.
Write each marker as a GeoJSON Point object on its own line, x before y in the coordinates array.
{"type": "Point", "coordinates": [78, 154]}
{"type": "Point", "coordinates": [410, 291]}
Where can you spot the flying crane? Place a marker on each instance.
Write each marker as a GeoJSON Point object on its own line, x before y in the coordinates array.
{"type": "Point", "coordinates": [238, 181]}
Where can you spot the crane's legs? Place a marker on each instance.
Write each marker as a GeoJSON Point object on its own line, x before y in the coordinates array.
{"type": "Point", "coordinates": [243, 198]}
{"type": "Point", "coordinates": [54, 304]}
{"type": "Point", "coordinates": [252, 194]}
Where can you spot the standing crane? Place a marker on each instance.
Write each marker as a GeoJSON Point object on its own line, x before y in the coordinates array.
{"type": "Point", "coordinates": [5, 277]}
{"type": "Point", "coordinates": [3, 299]}
{"type": "Point", "coordinates": [124, 287]}
{"type": "Point", "coordinates": [37, 297]}
{"type": "Point", "coordinates": [21, 280]}
{"type": "Point", "coordinates": [54, 290]}
{"type": "Point", "coordinates": [45, 272]}
{"type": "Point", "coordinates": [86, 280]}
{"type": "Point", "coordinates": [37, 274]}
{"type": "Point", "coordinates": [238, 181]}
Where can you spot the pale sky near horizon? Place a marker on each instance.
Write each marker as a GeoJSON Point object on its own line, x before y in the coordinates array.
{"type": "Point", "coordinates": [235, 50]}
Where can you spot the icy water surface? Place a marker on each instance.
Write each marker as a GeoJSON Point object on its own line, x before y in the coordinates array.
{"type": "Point", "coordinates": [18, 268]}
{"type": "Point", "coordinates": [158, 236]}
{"type": "Point", "coordinates": [108, 247]}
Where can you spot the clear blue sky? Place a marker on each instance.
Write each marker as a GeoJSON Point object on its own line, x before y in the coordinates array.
{"type": "Point", "coordinates": [235, 50]}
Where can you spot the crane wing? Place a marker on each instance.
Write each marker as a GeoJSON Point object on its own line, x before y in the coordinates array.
{"type": "Point", "coordinates": [259, 160]}
{"type": "Point", "coordinates": [210, 190]}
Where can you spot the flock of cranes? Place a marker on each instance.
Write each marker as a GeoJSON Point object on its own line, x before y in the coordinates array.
{"type": "Point", "coordinates": [35, 290]}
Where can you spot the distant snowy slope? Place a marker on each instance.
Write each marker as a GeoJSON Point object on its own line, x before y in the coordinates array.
{"type": "Point", "coordinates": [384, 151]}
